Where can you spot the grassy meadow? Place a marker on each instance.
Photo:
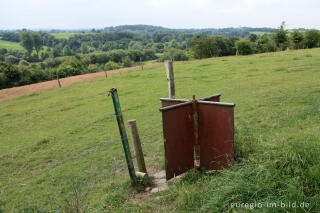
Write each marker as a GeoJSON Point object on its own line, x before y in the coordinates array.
{"type": "Point", "coordinates": [10, 45]}
{"type": "Point", "coordinates": [60, 151]}
{"type": "Point", "coordinates": [64, 35]}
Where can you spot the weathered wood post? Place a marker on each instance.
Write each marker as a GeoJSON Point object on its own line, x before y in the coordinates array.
{"type": "Point", "coordinates": [170, 77]}
{"type": "Point", "coordinates": [137, 145]}
{"type": "Point", "coordinates": [141, 64]}
{"type": "Point", "coordinates": [58, 80]}
{"type": "Point", "coordinates": [123, 134]}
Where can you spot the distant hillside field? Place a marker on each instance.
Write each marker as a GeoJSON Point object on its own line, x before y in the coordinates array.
{"type": "Point", "coordinates": [60, 149]}
{"type": "Point", "coordinates": [65, 35]}
{"type": "Point", "coordinates": [10, 45]}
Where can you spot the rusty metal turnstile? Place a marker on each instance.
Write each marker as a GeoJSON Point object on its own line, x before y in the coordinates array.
{"type": "Point", "coordinates": [197, 133]}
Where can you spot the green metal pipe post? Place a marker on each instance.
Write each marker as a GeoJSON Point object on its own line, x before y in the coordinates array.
{"type": "Point", "coordinates": [123, 134]}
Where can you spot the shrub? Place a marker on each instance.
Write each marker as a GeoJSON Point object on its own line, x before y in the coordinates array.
{"type": "Point", "coordinates": [38, 75]}
{"type": "Point", "coordinates": [265, 44]}
{"type": "Point", "coordinates": [174, 54]}
{"type": "Point", "coordinates": [25, 74]}
{"type": "Point", "coordinates": [244, 47]}
{"type": "Point", "coordinates": [71, 67]}
{"type": "Point", "coordinates": [23, 63]}
{"type": "Point", "coordinates": [11, 59]}
{"type": "Point", "coordinates": [3, 80]}
{"type": "Point", "coordinates": [10, 72]}
{"type": "Point", "coordinates": [111, 65]}
{"type": "Point", "coordinates": [312, 38]}
{"type": "Point", "coordinates": [92, 68]}
{"type": "Point", "coordinates": [127, 62]}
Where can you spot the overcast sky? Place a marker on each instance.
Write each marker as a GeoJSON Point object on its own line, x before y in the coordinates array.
{"type": "Point", "coordinates": [35, 14]}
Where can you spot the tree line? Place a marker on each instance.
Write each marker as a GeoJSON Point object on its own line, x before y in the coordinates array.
{"type": "Point", "coordinates": [203, 46]}
{"type": "Point", "coordinates": [46, 57]}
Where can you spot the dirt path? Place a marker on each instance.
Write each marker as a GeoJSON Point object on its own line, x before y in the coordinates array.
{"type": "Point", "coordinates": [28, 89]}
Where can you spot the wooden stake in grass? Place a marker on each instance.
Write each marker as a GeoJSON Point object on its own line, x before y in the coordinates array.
{"type": "Point", "coordinates": [58, 80]}
{"type": "Point", "coordinates": [170, 77]}
{"type": "Point", "coordinates": [137, 145]}
{"type": "Point", "coordinates": [141, 63]}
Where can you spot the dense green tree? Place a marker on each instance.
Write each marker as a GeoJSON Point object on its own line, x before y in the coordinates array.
{"type": "Point", "coordinates": [72, 66]}
{"type": "Point", "coordinates": [66, 51]}
{"type": "Point", "coordinates": [244, 47]}
{"type": "Point", "coordinates": [10, 36]}
{"type": "Point", "coordinates": [111, 65]}
{"type": "Point", "coordinates": [3, 51]}
{"type": "Point", "coordinates": [37, 42]}
{"type": "Point", "coordinates": [296, 38]}
{"type": "Point", "coordinates": [10, 74]}
{"type": "Point", "coordinates": [135, 45]}
{"type": "Point", "coordinates": [280, 37]}
{"type": "Point", "coordinates": [158, 47]}
{"type": "Point", "coordinates": [174, 54]}
{"type": "Point", "coordinates": [56, 51]}
{"type": "Point", "coordinates": [265, 44]}
{"type": "Point", "coordinates": [127, 62]}
{"type": "Point", "coordinates": [84, 48]}
{"type": "Point", "coordinates": [253, 37]}
{"type": "Point", "coordinates": [204, 46]}
{"type": "Point", "coordinates": [312, 38]}
{"type": "Point", "coordinates": [23, 63]}
{"type": "Point", "coordinates": [11, 59]}
{"type": "Point", "coordinates": [26, 41]}
{"type": "Point", "coordinates": [92, 68]}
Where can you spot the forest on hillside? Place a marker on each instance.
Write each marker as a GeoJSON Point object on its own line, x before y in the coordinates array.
{"type": "Point", "coordinates": [45, 57]}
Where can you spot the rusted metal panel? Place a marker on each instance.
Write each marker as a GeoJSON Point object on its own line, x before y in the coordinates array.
{"type": "Point", "coordinates": [168, 101]}
{"type": "Point", "coordinates": [178, 138]}
{"type": "Point", "coordinates": [216, 129]}
{"type": "Point", "coordinates": [215, 98]}
{"type": "Point", "coordinates": [197, 133]}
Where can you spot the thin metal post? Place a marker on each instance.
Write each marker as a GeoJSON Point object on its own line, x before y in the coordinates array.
{"type": "Point", "coordinates": [137, 145]}
{"type": "Point", "coordinates": [170, 77]}
{"type": "Point", "coordinates": [123, 134]}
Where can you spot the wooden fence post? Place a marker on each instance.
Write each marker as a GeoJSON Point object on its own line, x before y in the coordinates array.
{"type": "Point", "coordinates": [141, 63]}
{"type": "Point", "coordinates": [170, 77]}
{"type": "Point", "coordinates": [137, 145]}
{"type": "Point", "coordinates": [58, 80]}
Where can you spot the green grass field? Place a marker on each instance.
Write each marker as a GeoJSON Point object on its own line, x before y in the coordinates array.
{"type": "Point", "coordinates": [65, 35]}
{"type": "Point", "coordinates": [10, 45]}
{"type": "Point", "coordinates": [259, 33]}
{"type": "Point", "coordinates": [56, 158]}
